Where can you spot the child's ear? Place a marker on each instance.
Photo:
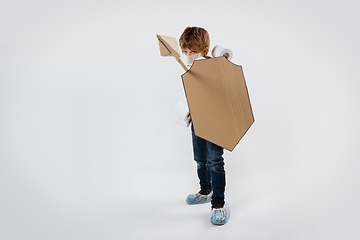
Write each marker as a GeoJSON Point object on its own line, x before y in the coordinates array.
{"type": "Point", "coordinates": [206, 49]}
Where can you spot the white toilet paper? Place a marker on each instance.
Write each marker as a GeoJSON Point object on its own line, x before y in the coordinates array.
{"type": "Point", "coordinates": [220, 51]}
{"type": "Point", "coordinates": [181, 110]}
{"type": "Point", "coordinates": [182, 123]}
{"type": "Point", "coordinates": [182, 97]}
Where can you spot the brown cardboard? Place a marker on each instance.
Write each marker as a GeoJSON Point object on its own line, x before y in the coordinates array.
{"type": "Point", "coordinates": [168, 46]}
{"type": "Point", "coordinates": [218, 101]}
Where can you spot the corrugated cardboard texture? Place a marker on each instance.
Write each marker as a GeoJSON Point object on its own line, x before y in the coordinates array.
{"type": "Point", "coordinates": [218, 101]}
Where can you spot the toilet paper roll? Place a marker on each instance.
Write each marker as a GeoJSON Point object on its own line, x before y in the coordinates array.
{"type": "Point", "coordinates": [220, 51]}
{"type": "Point", "coordinates": [182, 115]}
{"type": "Point", "coordinates": [182, 111]}
{"type": "Point", "coordinates": [182, 97]}
{"type": "Point", "coordinates": [182, 123]}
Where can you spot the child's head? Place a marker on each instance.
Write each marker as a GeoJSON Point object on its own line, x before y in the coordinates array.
{"type": "Point", "coordinates": [194, 40]}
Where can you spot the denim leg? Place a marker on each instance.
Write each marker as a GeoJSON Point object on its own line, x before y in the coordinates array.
{"type": "Point", "coordinates": [215, 164]}
{"type": "Point", "coordinates": [200, 156]}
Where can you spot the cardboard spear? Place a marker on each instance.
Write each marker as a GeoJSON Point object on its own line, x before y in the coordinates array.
{"type": "Point", "coordinates": [169, 47]}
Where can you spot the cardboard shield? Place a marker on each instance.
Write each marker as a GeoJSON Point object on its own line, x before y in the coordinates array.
{"type": "Point", "coordinates": [218, 100]}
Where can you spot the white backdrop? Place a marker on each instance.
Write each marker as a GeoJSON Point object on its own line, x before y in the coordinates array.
{"type": "Point", "coordinates": [90, 150]}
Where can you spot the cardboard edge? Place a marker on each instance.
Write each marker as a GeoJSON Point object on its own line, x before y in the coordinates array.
{"type": "Point", "coordinates": [162, 42]}
{"type": "Point", "coordinates": [247, 91]}
{"type": "Point", "coordinates": [172, 51]}
{"type": "Point", "coordinates": [211, 59]}
{"type": "Point", "coordinates": [241, 137]}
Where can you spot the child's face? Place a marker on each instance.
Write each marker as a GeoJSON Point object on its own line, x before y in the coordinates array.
{"type": "Point", "coordinates": [191, 51]}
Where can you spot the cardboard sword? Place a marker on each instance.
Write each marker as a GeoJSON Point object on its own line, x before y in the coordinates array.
{"type": "Point", "coordinates": [169, 48]}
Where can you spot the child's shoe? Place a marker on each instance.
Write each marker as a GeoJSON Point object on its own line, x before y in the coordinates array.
{"type": "Point", "coordinates": [220, 215]}
{"type": "Point", "coordinates": [198, 198]}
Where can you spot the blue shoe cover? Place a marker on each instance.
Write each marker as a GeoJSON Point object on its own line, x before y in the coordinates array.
{"type": "Point", "coordinates": [220, 216]}
{"type": "Point", "coordinates": [197, 198]}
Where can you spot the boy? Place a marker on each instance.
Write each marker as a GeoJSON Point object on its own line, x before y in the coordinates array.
{"type": "Point", "coordinates": [194, 43]}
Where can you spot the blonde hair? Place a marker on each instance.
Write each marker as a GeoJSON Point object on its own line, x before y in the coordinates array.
{"type": "Point", "coordinates": [194, 37]}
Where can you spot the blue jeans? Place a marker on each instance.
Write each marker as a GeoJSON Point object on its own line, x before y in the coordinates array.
{"type": "Point", "coordinates": [210, 167]}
